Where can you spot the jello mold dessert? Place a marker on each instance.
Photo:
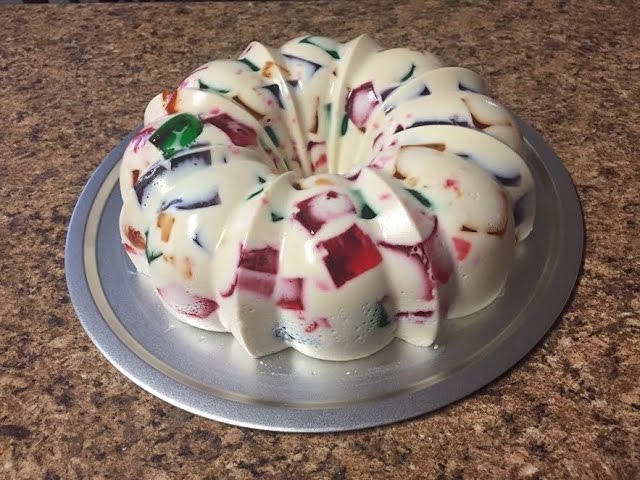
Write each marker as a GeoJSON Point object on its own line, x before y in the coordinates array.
{"type": "Point", "coordinates": [326, 196]}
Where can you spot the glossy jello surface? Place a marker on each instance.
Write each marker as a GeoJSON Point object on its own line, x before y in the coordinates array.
{"type": "Point", "coordinates": [325, 196]}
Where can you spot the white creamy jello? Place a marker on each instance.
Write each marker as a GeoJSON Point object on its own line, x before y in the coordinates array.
{"type": "Point", "coordinates": [326, 197]}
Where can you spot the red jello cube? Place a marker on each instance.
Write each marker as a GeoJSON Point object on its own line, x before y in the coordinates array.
{"type": "Point", "coordinates": [257, 271]}
{"type": "Point", "coordinates": [260, 260]}
{"type": "Point", "coordinates": [240, 134]}
{"type": "Point", "coordinates": [349, 254]}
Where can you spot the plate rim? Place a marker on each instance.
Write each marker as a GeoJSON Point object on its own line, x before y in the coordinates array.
{"type": "Point", "coordinates": [380, 411]}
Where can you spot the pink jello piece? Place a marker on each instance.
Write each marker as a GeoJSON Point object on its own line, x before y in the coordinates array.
{"type": "Point", "coordinates": [322, 160]}
{"type": "Point", "coordinates": [186, 303]}
{"type": "Point", "coordinates": [419, 318]}
{"type": "Point", "coordinates": [129, 249]}
{"type": "Point", "coordinates": [260, 260]}
{"type": "Point", "coordinates": [360, 103]}
{"type": "Point", "coordinates": [141, 138]}
{"type": "Point", "coordinates": [315, 211]}
{"type": "Point", "coordinates": [312, 327]}
{"type": "Point", "coordinates": [257, 272]}
{"type": "Point", "coordinates": [452, 184]}
{"type": "Point", "coordinates": [322, 322]}
{"type": "Point", "coordinates": [227, 293]}
{"type": "Point", "coordinates": [260, 283]}
{"type": "Point", "coordinates": [349, 255]}
{"type": "Point", "coordinates": [239, 133]}
{"type": "Point", "coordinates": [418, 254]}
{"type": "Point", "coordinates": [462, 246]}
{"type": "Point", "coordinates": [441, 260]}
{"type": "Point", "coordinates": [381, 161]}
{"type": "Point", "coordinates": [323, 286]}
{"type": "Point", "coordinates": [289, 293]}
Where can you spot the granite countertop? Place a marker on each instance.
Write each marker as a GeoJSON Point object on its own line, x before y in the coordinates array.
{"type": "Point", "coordinates": [76, 79]}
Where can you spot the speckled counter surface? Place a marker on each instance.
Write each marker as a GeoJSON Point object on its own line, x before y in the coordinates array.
{"type": "Point", "coordinates": [75, 80]}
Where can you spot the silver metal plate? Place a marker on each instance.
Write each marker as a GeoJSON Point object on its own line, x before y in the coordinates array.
{"type": "Point", "coordinates": [209, 374]}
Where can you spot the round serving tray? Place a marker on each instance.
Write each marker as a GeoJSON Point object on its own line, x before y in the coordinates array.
{"type": "Point", "coordinates": [210, 374]}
